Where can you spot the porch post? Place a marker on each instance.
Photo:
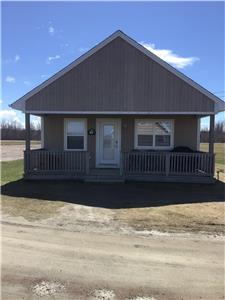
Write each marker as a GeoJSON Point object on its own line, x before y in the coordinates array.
{"type": "Point", "coordinates": [211, 134]}
{"type": "Point", "coordinates": [27, 130]}
{"type": "Point", "coordinates": [27, 143]}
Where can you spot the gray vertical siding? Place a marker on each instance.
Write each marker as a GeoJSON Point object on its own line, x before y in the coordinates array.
{"type": "Point", "coordinates": [119, 78]}
{"type": "Point", "coordinates": [185, 132]}
{"type": "Point", "coordinates": [53, 133]}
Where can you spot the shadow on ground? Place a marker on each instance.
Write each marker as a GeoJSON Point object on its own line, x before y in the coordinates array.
{"type": "Point", "coordinates": [116, 196]}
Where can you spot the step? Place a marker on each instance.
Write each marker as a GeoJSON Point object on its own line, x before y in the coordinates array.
{"type": "Point", "coordinates": [103, 178]}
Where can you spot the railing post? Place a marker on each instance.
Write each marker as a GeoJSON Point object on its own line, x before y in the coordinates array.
{"type": "Point", "coordinates": [213, 159]}
{"type": "Point", "coordinates": [167, 164]}
{"type": "Point", "coordinates": [25, 161]}
{"type": "Point", "coordinates": [27, 140]}
{"type": "Point", "coordinates": [87, 163]}
{"type": "Point", "coordinates": [121, 163]}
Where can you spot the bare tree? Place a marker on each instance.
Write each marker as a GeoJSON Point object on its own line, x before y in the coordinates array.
{"type": "Point", "coordinates": [219, 133]}
{"type": "Point", "coordinates": [15, 131]}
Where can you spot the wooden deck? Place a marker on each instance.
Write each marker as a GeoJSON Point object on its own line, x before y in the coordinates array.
{"type": "Point", "coordinates": [136, 165]}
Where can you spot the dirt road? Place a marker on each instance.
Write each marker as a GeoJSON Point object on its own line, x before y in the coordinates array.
{"type": "Point", "coordinates": [79, 263]}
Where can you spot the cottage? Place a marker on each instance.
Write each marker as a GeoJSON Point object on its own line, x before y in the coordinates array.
{"type": "Point", "coordinates": [119, 113]}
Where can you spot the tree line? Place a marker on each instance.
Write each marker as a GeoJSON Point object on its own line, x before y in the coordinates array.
{"type": "Point", "coordinates": [219, 133]}
{"type": "Point", "coordinates": [15, 131]}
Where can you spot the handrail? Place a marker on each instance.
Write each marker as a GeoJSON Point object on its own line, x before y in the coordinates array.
{"type": "Point", "coordinates": [168, 163]}
{"type": "Point", "coordinates": [60, 161]}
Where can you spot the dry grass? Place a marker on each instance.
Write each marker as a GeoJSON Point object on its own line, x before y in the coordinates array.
{"type": "Point", "coordinates": [156, 203]}
{"type": "Point", "coordinates": [29, 209]}
{"type": "Point", "coordinates": [206, 217]}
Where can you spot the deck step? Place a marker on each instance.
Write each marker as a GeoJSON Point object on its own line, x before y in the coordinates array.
{"type": "Point", "coordinates": [104, 178]}
{"type": "Point", "coordinates": [105, 172]}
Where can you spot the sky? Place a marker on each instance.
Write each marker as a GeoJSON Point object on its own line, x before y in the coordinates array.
{"type": "Point", "coordinates": [40, 38]}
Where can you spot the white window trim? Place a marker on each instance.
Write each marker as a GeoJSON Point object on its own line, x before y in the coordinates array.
{"type": "Point", "coordinates": [153, 147]}
{"type": "Point", "coordinates": [66, 120]}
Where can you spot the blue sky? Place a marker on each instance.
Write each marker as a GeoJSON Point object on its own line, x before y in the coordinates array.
{"type": "Point", "coordinates": [40, 38]}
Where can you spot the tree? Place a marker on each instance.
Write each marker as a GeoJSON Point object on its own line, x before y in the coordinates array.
{"type": "Point", "coordinates": [219, 133]}
{"type": "Point", "coordinates": [15, 131]}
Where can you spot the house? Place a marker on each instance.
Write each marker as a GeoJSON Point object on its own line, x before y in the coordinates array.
{"type": "Point", "coordinates": [118, 113]}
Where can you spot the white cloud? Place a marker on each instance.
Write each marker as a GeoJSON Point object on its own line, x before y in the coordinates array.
{"type": "Point", "coordinates": [16, 58]}
{"type": "Point", "coordinates": [170, 57]}
{"type": "Point", "coordinates": [64, 45]}
{"type": "Point", "coordinates": [83, 49]}
{"type": "Point", "coordinates": [1, 101]}
{"type": "Point", "coordinates": [36, 122]}
{"type": "Point", "coordinates": [52, 58]}
{"type": "Point", "coordinates": [11, 60]}
{"type": "Point", "coordinates": [44, 76]}
{"type": "Point", "coordinates": [26, 82]}
{"type": "Point", "coordinates": [10, 79]}
{"type": "Point", "coordinates": [51, 30]}
{"type": "Point", "coordinates": [9, 115]}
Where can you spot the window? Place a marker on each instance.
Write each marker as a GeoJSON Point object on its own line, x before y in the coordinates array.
{"type": "Point", "coordinates": [75, 134]}
{"type": "Point", "coordinates": [144, 131]}
{"type": "Point", "coordinates": [153, 134]}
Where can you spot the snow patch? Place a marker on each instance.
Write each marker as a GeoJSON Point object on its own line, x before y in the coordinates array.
{"type": "Point", "coordinates": [103, 294]}
{"type": "Point", "coordinates": [46, 288]}
{"type": "Point", "coordinates": [143, 298]}
{"type": "Point", "coordinates": [144, 232]}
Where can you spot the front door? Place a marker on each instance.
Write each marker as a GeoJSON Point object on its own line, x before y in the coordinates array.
{"type": "Point", "coordinates": [108, 143]}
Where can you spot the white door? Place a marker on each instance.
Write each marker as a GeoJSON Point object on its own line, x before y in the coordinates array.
{"type": "Point", "coordinates": [108, 143]}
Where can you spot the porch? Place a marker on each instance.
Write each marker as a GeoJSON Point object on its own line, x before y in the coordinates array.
{"type": "Point", "coordinates": [134, 165]}
{"type": "Point", "coordinates": [116, 153]}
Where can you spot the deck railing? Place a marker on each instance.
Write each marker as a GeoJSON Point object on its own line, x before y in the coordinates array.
{"type": "Point", "coordinates": [168, 163]}
{"type": "Point", "coordinates": [131, 163]}
{"type": "Point", "coordinates": [56, 161]}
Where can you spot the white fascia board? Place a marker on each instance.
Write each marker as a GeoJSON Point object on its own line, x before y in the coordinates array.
{"type": "Point", "coordinates": [219, 104]}
{"type": "Point", "coordinates": [41, 112]}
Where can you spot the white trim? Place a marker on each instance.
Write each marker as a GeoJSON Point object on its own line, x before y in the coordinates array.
{"type": "Point", "coordinates": [42, 133]}
{"type": "Point", "coordinates": [219, 104]}
{"type": "Point", "coordinates": [153, 147]}
{"type": "Point", "coordinates": [65, 133]}
{"type": "Point", "coordinates": [198, 133]}
{"type": "Point", "coordinates": [36, 112]}
{"type": "Point", "coordinates": [98, 163]}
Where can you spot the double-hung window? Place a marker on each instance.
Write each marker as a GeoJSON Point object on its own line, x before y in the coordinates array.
{"type": "Point", "coordinates": [75, 134]}
{"type": "Point", "coordinates": [153, 134]}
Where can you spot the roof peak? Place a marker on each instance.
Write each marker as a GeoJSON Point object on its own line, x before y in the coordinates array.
{"type": "Point", "coordinates": [20, 103]}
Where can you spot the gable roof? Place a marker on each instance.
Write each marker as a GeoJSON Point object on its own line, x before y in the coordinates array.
{"type": "Point", "coordinates": [20, 103]}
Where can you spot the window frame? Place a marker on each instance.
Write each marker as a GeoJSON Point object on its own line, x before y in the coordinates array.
{"type": "Point", "coordinates": [66, 120]}
{"type": "Point", "coordinates": [154, 147]}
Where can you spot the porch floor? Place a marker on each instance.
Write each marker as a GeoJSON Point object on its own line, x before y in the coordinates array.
{"type": "Point", "coordinates": [113, 176]}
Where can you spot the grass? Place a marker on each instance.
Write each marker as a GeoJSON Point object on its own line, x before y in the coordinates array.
{"type": "Point", "coordinates": [11, 171]}
{"type": "Point", "coordinates": [30, 208]}
{"type": "Point", "coordinates": [219, 151]}
{"type": "Point", "coordinates": [220, 159]}
{"type": "Point", "coordinates": [17, 142]}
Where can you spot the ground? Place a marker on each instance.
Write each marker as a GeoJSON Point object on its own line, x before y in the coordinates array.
{"type": "Point", "coordinates": [67, 240]}
{"type": "Point", "coordinates": [157, 267]}
{"type": "Point", "coordinates": [220, 159]}
{"type": "Point", "coordinates": [12, 150]}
